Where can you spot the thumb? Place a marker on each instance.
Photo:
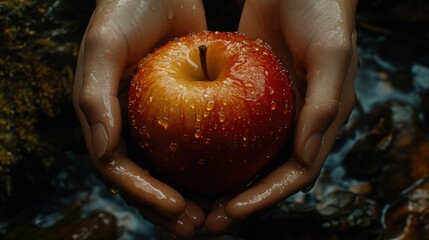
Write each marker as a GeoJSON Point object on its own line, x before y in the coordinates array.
{"type": "Point", "coordinates": [325, 78]}
{"type": "Point", "coordinates": [96, 101]}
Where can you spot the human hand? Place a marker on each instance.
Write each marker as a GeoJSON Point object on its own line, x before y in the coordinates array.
{"type": "Point", "coordinates": [317, 41]}
{"type": "Point", "coordinates": [119, 34]}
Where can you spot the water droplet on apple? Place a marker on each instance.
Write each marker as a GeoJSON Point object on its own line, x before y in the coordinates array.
{"type": "Point", "coordinates": [139, 108]}
{"type": "Point", "coordinates": [144, 132]}
{"type": "Point", "coordinates": [206, 114]}
{"type": "Point", "coordinates": [173, 146]}
{"type": "Point", "coordinates": [210, 105]}
{"type": "Point", "coordinates": [201, 161]}
{"type": "Point", "coordinates": [222, 117]}
{"type": "Point", "coordinates": [249, 84]}
{"type": "Point", "coordinates": [208, 140]}
{"type": "Point", "coordinates": [163, 121]}
{"type": "Point", "coordinates": [271, 90]}
{"type": "Point", "coordinates": [198, 118]}
{"type": "Point", "coordinates": [273, 105]}
{"type": "Point", "coordinates": [197, 133]}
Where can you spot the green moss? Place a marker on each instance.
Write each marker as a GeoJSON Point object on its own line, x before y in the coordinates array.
{"type": "Point", "coordinates": [40, 41]}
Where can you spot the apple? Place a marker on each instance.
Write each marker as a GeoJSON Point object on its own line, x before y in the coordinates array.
{"type": "Point", "coordinates": [210, 110]}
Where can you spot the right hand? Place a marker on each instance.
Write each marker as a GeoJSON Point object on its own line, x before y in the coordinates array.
{"type": "Point", "coordinates": [119, 34]}
{"type": "Point", "coordinates": [317, 41]}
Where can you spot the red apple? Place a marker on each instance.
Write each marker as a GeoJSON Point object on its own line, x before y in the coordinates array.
{"type": "Point", "coordinates": [211, 110]}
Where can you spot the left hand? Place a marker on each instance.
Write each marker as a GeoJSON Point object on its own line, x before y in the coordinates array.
{"type": "Point", "coordinates": [317, 41]}
{"type": "Point", "coordinates": [118, 35]}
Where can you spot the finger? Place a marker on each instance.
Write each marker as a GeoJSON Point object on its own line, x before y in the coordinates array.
{"type": "Point", "coordinates": [195, 213]}
{"type": "Point", "coordinates": [121, 173]}
{"type": "Point", "coordinates": [326, 74]}
{"type": "Point", "coordinates": [284, 181]}
{"type": "Point", "coordinates": [346, 104]}
{"type": "Point", "coordinates": [99, 70]}
{"type": "Point", "coordinates": [217, 222]}
{"type": "Point", "coordinates": [98, 103]}
{"type": "Point", "coordinates": [101, 62]}
{"type": "Point", "coordinates": [184, 225]}
{"type": "Point", "coordinates": [181, 226]}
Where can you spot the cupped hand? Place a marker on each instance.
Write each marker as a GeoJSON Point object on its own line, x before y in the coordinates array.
{"type": "Point", "coordinates": [119, 34]}
{"type": "Point", "coordinates": [317, 42]}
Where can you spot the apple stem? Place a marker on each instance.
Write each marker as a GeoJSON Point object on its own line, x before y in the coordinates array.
{"type": "Point", "coordinates": [203, 61]}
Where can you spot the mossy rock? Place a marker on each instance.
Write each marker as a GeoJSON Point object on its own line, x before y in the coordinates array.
{"type": "Point", "coordinates": [39, 45]}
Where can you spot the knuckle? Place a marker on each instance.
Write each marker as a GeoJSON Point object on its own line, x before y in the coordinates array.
{"type": "Point", "coordinates": [100, 37]}
{"type": "Point", "coordinates": [86, 100]}
{"type": "Point", "coordinates": [328, 110]}
{"type": "Point", "coordinates": [93, 37]}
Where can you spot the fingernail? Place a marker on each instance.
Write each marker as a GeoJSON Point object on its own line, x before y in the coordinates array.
{"type": "Point", "coordinates": [99, 140]}
{"type": "Point", "coordinates": [312, 148]}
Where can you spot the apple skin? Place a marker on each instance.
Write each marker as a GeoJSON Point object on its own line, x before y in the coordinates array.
{"type": "Point", "coordinates": [211, 136]}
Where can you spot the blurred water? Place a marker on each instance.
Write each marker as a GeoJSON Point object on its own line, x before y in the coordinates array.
{"type": "Point", "coordinates": [76, 184]}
